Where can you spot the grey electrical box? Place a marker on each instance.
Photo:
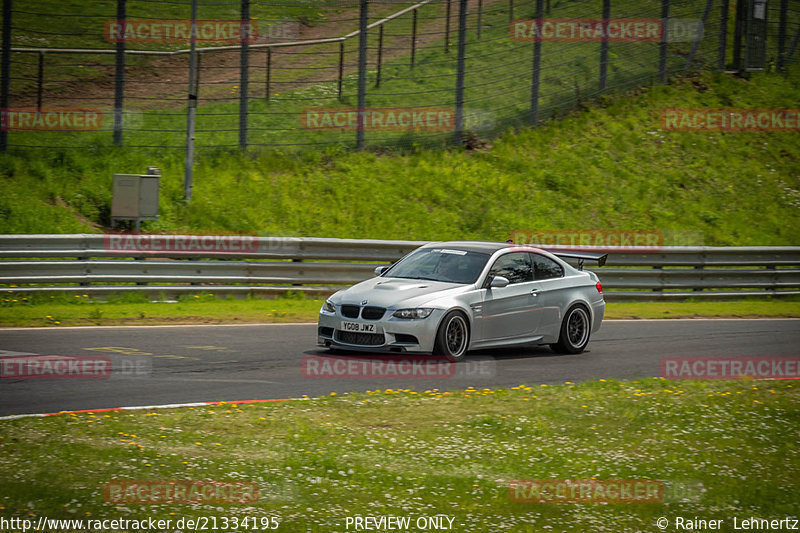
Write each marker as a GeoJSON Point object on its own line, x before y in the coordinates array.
{"type": "Point", "coordinates": [135, 197]}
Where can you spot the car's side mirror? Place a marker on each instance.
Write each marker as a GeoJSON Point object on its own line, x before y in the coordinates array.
{"type": "Point", "coordinates": [380, 270]}
{"type": "Point", "coordinates": [499, 281]}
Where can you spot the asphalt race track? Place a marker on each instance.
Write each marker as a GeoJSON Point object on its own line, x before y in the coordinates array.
{"type": "Point", "coordinates": [180, 364]}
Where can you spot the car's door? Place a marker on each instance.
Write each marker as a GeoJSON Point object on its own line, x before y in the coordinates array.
{"type": "Point", "coordinates": [511, 311]}
{"type": "Point", "coordinates": [550, 286]}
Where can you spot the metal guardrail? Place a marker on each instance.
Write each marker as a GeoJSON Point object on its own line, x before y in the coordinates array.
{"type": "Point", "coordinates": [169, 265]}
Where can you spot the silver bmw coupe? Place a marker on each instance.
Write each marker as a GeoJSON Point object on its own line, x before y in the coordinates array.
{"type": "Point", "coordinates": [447, 298]}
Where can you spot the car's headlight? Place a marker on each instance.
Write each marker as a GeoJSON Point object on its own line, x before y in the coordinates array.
{"type": "Point", "coordinates": [419, 312]}
{"type": "Point", "coordinates": [328, 307]}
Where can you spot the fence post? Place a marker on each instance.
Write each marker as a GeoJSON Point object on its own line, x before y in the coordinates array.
{"type": "Point", "coordinates": [604, 46]}
{"type": "Point", "coordinates": [40, 83]}
{"type": "Point", "coordinates": [663, 46]}
{"type": "Point", "coordinates": [782, 34]}
{"type": "Point", "coordinates": [191, 109]}
{"type": "Point", "coordinates": [380, 57]}
{"type": "Point", "coordinates": [510, 11]}
{"type": "Point", "coordinates": [447, 27]}
{"type": "Point", "coordinates": [537, 63]}
{"type": "Point", "coordinates": [737, 35]}
{"type": "Point", "coordinates": [480, 13]}
{"type": "Point", "coordinates": [119, 78]}
{"type": "Point", "coordinates": [269, 71]}
{"type": "Point", "coordinates": [362, 73]}
{"type": "Point", "coordinates": [414, 39]}
{"type": "Point", "coordinates": [341, 67]}
{"type": "Point", "coordinates": [723, 34]}
{"type": "Point", "coordinates": [698, 38]}
{"type": "Point", "coordinates": [244, 72]}
{"type": "Point", "coordinates": [197, 75]}
{"type": "Point", "coordinates": [462, 52]}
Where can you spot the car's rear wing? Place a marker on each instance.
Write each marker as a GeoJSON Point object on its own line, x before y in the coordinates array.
{"type": "Point", "coordinates": [581, 257]}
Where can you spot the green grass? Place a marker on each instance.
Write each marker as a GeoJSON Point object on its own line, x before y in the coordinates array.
{"type": "Point", "coordinates": [608, 167]}
{"type": "Point", "coordinates": [721, 449]}
{"type": "Point", "coordinates": [133, 309]}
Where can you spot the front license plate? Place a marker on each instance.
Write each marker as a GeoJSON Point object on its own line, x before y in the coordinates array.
{"type": "Point", "coordinates": [358, 327]}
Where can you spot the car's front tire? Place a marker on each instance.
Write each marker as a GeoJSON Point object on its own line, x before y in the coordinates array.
{"type": "Point", "coordinates": [575, 331]}
{"type": "Point", "coordinates": [452, 338]}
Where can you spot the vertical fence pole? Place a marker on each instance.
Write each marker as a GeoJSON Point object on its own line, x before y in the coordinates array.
{"type": "Point", "coordinates": [480, 14]}
{"type": "Point", "coordinates": [119, 78]}
{"type": "Point", "coordinates": [447, 27]}
{"type": "Point", "coordinates": [537, 65]}
{"type": "Point", "coordinates": [510, 11]}
{"type": "Point", "coordinates": [663, 46]}
{"type": "Point", "coordinates": [40, 83]}
{"type": "Point", "coordinates": [362, 73]}
{"type": "Point", "coordinates": [737, 35]}
{"type": "Point", "coordinates": [244, 76]}
{"type": "Point", "coordinates": [341, 67]}
{"type": "Point", "coordinates": [548, 7]}
{"type": "Point", "coordinates": [698, 37]}
{"type": "Point", "coordinates": [380, 57]}
{"type": "Point", "coordinates": [197, 75]}
{"type": "Point", "coordinates": [414, 38]}
{"type": "Point", "coordinates": [191, 109]}
{"type": "Point", "coordinates": [462, 52]}
{"type": "Point", "coordinates": [269, 72]}
{"type": "Point", "coordinates": [782, 34]}
{"type": "Point", "coordinates": [723, 34]}
{"type": "Point", "coordinates": [5, 70]}
{"type": "Point", "coordinates": [604, 46]}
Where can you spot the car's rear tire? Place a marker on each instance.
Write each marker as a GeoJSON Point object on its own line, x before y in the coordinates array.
{"type": "Point", "coordinates": [452, 338]}
{"type": "Point", "coordinates": [576, 328]}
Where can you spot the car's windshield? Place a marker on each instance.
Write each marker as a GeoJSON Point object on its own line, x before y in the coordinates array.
{"type": "Point", "coordinates": [440, 264]}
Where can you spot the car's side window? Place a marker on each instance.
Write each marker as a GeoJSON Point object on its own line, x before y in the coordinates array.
{"type": "Point", "coordinates": [515, 266]}
{"type": "Point", "coordinates": [545, 268]}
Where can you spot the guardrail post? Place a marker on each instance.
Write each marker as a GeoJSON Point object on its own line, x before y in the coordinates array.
{"type": "Point", "coordinates": [782, 34]}
{"type": "Point", "coordinates": [723, 34]}
{"type": "Point", "coordinates": [537, 64]}
{"type": "Point", "coordinates": [447, 28]}
{"type": "Point", "coordinates": [380, 57]}
{"type": "Point", "coordinates": [244, 74]}
{"type": "Point", "coordinates": [663, 46]}
{"type": "Point", "coordinates": [362, 73]}
{"type": "Point", "coordinates": [698, 289]}
{"type": "Point", "coordinates": [604, 46]}
{"type": "Point", "coordinates": [413, 38]}
{"type": "Point", "coordinates": [269, 71]}
{"type": "Point", "coordinates": [462, 49]}
{"type": "Point", "coordinates": [119, 78]}
{"type": "Point", "coordinates": [40, 83]}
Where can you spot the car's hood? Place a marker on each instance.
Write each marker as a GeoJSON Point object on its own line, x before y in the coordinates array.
{"type": "Point", "coordinates": [397, 292]}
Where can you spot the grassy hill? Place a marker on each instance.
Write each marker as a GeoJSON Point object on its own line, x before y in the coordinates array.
{"type": "Point", "coordinates": [609, 166]}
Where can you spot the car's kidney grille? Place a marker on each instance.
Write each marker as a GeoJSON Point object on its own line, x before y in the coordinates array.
{"type": "Point", "coordinates": [373, 313]}
{"type": "Point", "coordinates": [366, 339]}
{"type": "Point", "coordinates": [350, 311]}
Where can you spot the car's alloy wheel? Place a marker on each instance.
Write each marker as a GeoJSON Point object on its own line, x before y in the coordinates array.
{"type": "Point", "coordinates": [575, 331]}
{"type": "Point", "coordinates": [452, 338]}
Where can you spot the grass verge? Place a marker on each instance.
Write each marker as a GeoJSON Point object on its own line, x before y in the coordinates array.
{"type": "Point", "coordinates": [722, 449]}
{"type": "Point", "coordinates": [78, 310]}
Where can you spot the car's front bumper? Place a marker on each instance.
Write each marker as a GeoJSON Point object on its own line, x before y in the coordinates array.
{"type": "Point", "coordinates": [396, 334]}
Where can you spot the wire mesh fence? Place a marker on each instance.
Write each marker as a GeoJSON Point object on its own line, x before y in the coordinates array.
{"type": "Point", "coordinates": [303, 74]}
